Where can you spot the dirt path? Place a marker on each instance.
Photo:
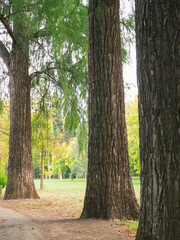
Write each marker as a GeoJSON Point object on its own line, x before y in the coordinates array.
{"type": "Point", "coordinates": [15, 226]}
{"type": "Point", "coordinates": [26, 220]}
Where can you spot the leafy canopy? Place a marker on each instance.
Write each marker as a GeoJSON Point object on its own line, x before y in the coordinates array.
{"type": "Point", "coordinates": [56, 32]}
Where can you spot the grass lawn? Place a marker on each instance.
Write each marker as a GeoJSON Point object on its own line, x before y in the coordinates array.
{"type": "Point", "coordinates": [65, 187]}
{"type": "Point", "coordinates": [55, 187]}
{"type": "Point", "coordinates": [136, 183]}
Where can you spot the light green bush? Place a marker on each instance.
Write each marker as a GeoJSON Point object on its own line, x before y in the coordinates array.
{"type": "Point", "coordinates": [3, 181]}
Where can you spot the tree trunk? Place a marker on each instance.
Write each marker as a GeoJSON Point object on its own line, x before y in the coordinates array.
{"type": "Point", "coordinates": [60, 175]}
{"type": "Point", "coordinates": [20, 183]}
{"type": "Point", "coordinates": [49, 169]}
{"type": "Point", "coordinates": [42, 169]}
{"type": "Point", "coordinates": [0, 190]}
{"type": "Point", "coordinates": [109, 192]}
{"type": "Point", "coordinates": [158, 64]}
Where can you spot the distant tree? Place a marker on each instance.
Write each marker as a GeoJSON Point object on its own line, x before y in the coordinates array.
{"type": "Point", "coordinates": [61, 156]}
{"type": "Point", "coordinates": [36, 157]}
{"type": "Point", "coordinates": [132, 122]}
{"type": "Point", "coordinates": [80, 159]}
{"type": "Point", "coordinates": [42, 125]}
{"type": "Point", "coordinates": [109, 192]}
{"type": "Point", "coordinates": [4, 136]}
{"type": "Point", "coordinates": [158, 71]}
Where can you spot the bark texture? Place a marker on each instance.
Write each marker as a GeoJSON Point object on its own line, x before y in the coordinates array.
{"type": "Point", "coordinates": [158, 63]}
{"type": "Point", "coordinates": [20, 183]}
{"type": "Point", "coordinates": [109, 192]}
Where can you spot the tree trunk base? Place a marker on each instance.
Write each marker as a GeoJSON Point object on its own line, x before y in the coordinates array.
{"type": "Point", "coordinates": [14, 195]}
{"type": "Point", "coordinates": [18, 190]}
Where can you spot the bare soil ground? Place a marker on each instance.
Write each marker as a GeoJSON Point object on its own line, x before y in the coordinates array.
{"type": "Point", "coordinates": [51, 220]}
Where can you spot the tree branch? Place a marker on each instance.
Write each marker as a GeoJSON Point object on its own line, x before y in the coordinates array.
{"type": "Point", "coordinates": [41, 33]}
{"type": "Point", "coordinates": [4, 133]}
{"type": "Point", "coordinates": [4, 54]}
{"type": "Point", "coordinates": [14, 13]}
{"type": "Point", "coordinates": [8, 28]}
{"type": "Point", "coordinates": [38, 73]}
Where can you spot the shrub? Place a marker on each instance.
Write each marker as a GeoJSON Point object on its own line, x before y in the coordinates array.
{"type": "Point", "coordinates": [3, 181]}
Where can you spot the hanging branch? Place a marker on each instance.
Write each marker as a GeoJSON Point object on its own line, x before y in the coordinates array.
{"type": "Point", "coordinates": [38, 73]}
{"type": "Point", "coordinates": [4, 133]}
{"type": "Point", "coordinates": [8, 28]}
{"type": "Point", "coordinates": [42, 33]}
{"type": "Point", "coordinates": [4, 54]}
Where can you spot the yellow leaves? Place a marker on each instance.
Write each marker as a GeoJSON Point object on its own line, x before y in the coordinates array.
{"type": "Point", "coordinates": [46, 173]}
{"type": "Point", "coordinates": [133, 134]}
{"type": "Point", "coordinates": [4, 135]}
{"type": "Point", "coordinates": [61, 155]}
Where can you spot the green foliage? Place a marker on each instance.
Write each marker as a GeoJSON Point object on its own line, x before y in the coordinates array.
{"type": "Point", "coordinates": [79, 166]}
{"type": "Point", "coordinates": [42, 117]}
{"type": "Point", "coordinates": [58, 44]}
{"type": "Point", "coordinates": [57, 123]}
{"type": "Point", "coordinates": [127, 35]}
{"type": "Point", "coordinates": [67, 23]}
{"type": "Point", "coordinates": [4, 136]}
{"type": "Point", "coordinates": [65, 171]}
{"type": "Point", "coordinates": [36, 163]}
{"type": "Point", "coordinates": [82, 137]}
{"type": "Point", "coordinates": [3, 180]}
{"type": "Point", "coordinates": [133, 135]}
{"type": "Point", "coordinates": [61, 157]}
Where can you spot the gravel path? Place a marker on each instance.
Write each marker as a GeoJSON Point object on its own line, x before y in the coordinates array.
{"type": "Point", "coordinates": [14, 226]}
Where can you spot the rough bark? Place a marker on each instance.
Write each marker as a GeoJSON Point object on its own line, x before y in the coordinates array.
{"type": "Point", "coordinates": [20, 183]}
{"type": "Point", "coordinates": [42, 169]}
{"type": "Point", "coordinates": [158, 64]}
{"type": "Point", "coordinates": [109, 192]}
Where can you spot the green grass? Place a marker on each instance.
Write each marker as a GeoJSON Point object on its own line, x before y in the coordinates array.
{"type": "Point", "coordinates": [57, 187]}
{"type": "Point", "coordinates": [136, 184]}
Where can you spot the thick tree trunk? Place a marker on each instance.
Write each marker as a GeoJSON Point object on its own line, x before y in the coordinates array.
{"type": "Point", "coordinates": [109, 192]}
{"type": "Point", "coordinates": [20, 183]}
{"type": "Point", "coordinates": [158, 55]}
{"type": "Point", "coordinates": [42, 169]}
